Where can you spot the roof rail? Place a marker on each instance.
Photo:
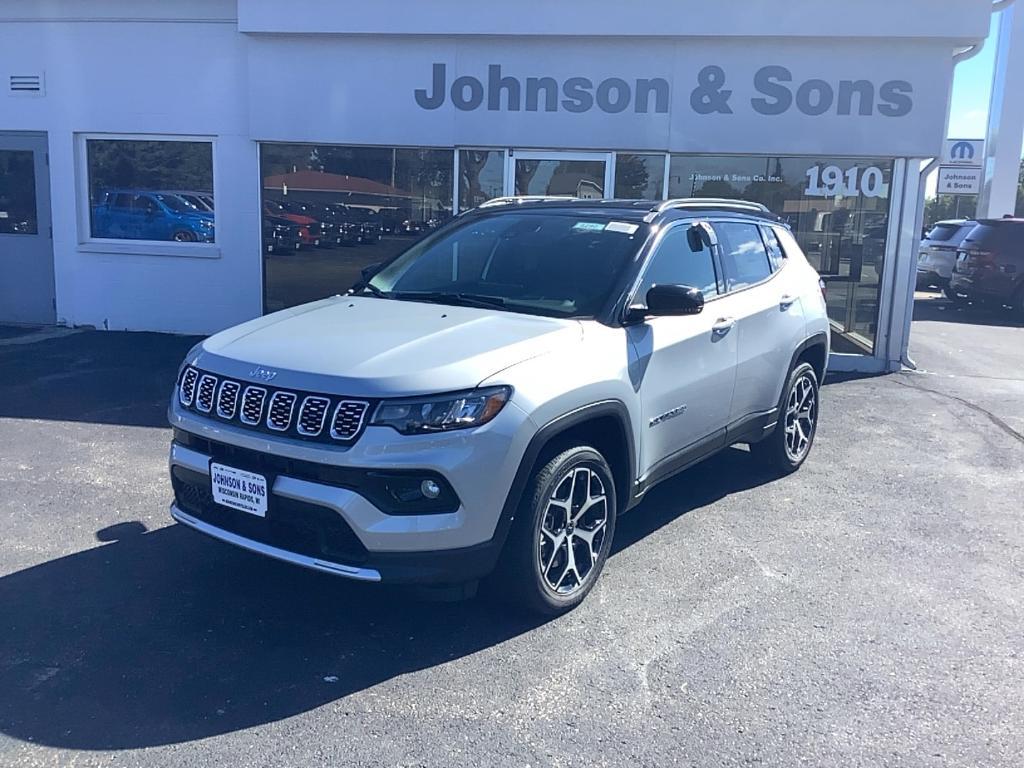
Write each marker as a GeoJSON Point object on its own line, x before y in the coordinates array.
{"type": "Point", "coordinates": [519, 199]}
{"type": "Point", "coordinates": [710, 202]}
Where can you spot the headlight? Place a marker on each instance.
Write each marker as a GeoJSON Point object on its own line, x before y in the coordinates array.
{"type": "Point", "coordinates": [440, 413]}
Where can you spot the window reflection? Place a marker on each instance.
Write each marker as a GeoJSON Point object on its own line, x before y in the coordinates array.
{"type": "Point", "coordinates": [17, 193]}
{"type": "Point", "coordinates": [151, 190]}
{"type": "Point", "coordinates": [838, 209]}
{"type": "Point", "coordinates": [639, 177]}
{"type": "Point", "coordinates": [330, 211]}
{"type": "Point", "coordinates": [481, 176]}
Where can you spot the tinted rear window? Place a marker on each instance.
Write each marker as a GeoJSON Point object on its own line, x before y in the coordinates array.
{"type": "Point", "coordinates": [1003, 235]}
{"type": "Point", "coordinates": [940, 233]}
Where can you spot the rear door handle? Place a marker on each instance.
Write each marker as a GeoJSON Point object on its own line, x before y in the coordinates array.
{"type": "Point", "coordinates": [786, 301]}
{"type": "Point", "coordinates": [723, 325]}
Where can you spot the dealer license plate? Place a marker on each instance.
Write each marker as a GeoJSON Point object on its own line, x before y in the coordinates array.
{"type": "Point", "coordinates": [239, 489]}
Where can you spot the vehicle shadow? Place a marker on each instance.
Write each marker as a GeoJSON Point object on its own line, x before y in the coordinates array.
{"type": "Point", "coordinates": [99, 377]}
{"type": "Point", "coordinates": [941, 310]}
{"type": "Point", "coordinates": [166, 636]}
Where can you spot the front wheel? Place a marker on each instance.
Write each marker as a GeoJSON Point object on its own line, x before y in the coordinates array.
{"type": "Point", "coordinates": [789, 444]}
{"type": "Point", "coordinates": [562, 534]}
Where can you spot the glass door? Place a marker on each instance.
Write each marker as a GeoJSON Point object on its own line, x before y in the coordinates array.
{"type": "Point", "coordinates": [575, 174]}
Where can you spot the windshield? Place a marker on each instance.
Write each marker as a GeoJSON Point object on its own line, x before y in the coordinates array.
{"type": "Point", "coordinates": [175, 203]}
{"type": "Point", "coordinates": [561, 264]}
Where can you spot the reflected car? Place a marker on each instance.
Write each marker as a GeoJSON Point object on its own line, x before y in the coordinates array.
{"type": "Point", "coordinates": [938, 252]}
{"type": "Point", "coordinates": [371, 230]}
{"type": "Point", "coordinates": [197, 200]}
{"type": "Point", "coordinates": [281, 235]}
{"type": "Point", "coordinates": [989, 265]}
{"type": "Point", "coordinates": [131, 214]}
{"type": "Point", "coordinates": [309, 227]}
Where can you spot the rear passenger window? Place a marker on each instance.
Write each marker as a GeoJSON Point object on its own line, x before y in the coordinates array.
{"type": "Point", "coordinates": [776, 255]}
{"type": "Point", "coordinates": [744, 257]}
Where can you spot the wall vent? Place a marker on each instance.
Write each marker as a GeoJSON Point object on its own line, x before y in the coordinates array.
{"type": "Point", "coordinates": [26, 85]}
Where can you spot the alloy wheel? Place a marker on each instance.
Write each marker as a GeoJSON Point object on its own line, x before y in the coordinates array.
{"type": "Point", "coordinates": [801, 415]}
{"type": "Point", "coordinates": [573, 531]}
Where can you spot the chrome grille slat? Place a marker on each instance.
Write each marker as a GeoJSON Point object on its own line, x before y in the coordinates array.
{"type": "Point", "coordinates": [312, 415]}
{"type": "Point", "coordinates": [205, 392]}
{"type": "Point", "coordinates": [227, 399]}
{"type": "Point", "coordinates": [279, 414]}
{"type": "Point", "coordinates": [252, 405]}
{"type": "Point", "coordinates": [187, 390]}
{"type": "Point", "coordinates": [348, 419]}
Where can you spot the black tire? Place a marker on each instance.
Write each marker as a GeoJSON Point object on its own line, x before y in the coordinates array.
{"type": "Point", "coordinates": [778, 450]}
{"type": "Point", "coordinates": [183, 236]}
{"type": "Point", "coordinates": [953, 296]}
{"type": "Point", "coordinates": [521, 576]}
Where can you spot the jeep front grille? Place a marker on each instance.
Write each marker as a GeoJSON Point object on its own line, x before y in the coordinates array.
{"type": "Point", "coordinates": [312, 415]}
{"type": "Point", "coordinates": [227, 401]}
{"type": "Point", "coordinates": [204, 395]}
{"type": "Point", "coordinates": [252, 405]}
{"type": "Point", "coordinates": [187, 390]}
{"type": "Point", "coordinates": [280, 415]}
{"type": "Point", "coordinates": [348, 419]}
{"type": "Point", "coordinates": [303, 415]}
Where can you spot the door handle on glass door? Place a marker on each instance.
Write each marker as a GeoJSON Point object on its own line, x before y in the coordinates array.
{"type": "Point", "coordinates": [723, 325]}
{"type": "Point", "coordinates": [787, 301]}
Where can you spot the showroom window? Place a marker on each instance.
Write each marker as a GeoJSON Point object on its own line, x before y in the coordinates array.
{"type": "Point", "coordinates": [481, 176]}
{"type": "Point", "coordinates": [838, 209]}
{"type": "Point", "coordinates": [157, 190]}
{"type": "Point", "coordinates": [330, 211]}
{"type": "Point", "coordinates": [639, 177]}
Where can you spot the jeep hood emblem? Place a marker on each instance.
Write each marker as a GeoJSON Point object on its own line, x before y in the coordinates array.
{"type": "Point", "coordinates": [263, 374]}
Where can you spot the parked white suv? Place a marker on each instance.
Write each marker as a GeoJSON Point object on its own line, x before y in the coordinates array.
{"type": "Point", "coordinates": [489, 401]}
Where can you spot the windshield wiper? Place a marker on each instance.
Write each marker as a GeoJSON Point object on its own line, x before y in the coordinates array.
{"type": "Point", "coordinates": [372, 289]}
{"type": "Point", "coordinates": [463, 299]}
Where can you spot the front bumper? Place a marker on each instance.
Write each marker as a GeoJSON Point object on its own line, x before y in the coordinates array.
{"type": "Point", "coordinates": [317, 523]}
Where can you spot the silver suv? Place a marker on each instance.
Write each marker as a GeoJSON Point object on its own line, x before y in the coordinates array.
{"type": "Point", "coordinates": [489, 401]}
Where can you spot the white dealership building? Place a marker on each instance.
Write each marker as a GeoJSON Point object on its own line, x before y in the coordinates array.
{"type": "Point", "coordinates": [184, 166]}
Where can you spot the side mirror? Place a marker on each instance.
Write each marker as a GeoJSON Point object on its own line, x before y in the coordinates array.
{"type": "Point", "coordinates": [674, 300]}
{"type": "Point", "coordinates": [370, 270]}
{"type": "Point", "coordinates": [698, 238]}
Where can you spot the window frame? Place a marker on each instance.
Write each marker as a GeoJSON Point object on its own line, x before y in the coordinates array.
{"type": "Point", "coordinates": [721, 255]}
{"type": "Point", "coordinates": [765, 229]}
{"type": "Point", "coordinates": [89, 244]}
{"type": "Point", "coordinates": [651, 250]}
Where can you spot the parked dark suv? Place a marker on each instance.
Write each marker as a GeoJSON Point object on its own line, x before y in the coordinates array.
{"type": "Point", "coordinates": [990, 264]}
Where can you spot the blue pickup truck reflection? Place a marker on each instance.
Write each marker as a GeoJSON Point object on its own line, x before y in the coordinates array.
{"type": "Point", "coordinates": [135, 215]}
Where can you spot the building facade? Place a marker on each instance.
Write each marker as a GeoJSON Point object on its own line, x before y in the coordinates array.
{"type": "Point", "coordinates": [186, 166]}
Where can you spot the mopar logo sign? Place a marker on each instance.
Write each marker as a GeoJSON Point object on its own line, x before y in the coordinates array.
{"type": "Point", "coordinates": [964, 152]}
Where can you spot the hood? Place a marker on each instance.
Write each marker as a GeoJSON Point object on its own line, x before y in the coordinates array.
{"type": "Point", "coordinates": [372, 347]}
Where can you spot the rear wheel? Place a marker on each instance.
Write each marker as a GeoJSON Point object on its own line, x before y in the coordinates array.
{"type": "Point", "coordinates": [562, 534]}
{"type": "Point", "coordinates": [789, 444]}
{"type": "Point", "coordinates": [184, 236]}
{"type": "Point", "coordinates": [953, 296]}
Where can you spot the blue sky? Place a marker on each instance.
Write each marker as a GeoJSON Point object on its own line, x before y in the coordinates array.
{"type": "Point", "coordinates": [972, 87]}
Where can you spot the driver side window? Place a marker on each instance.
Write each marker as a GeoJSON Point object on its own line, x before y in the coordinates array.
{"type": "Point", "coordinates": [674, 263]}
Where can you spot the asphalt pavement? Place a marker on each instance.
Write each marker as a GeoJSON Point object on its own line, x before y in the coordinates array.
{"type": "Point", "coordinates": [866, 611]}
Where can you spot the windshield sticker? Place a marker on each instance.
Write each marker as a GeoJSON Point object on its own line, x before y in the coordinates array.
{"type": "Point", "coordinates": [622, 226]}
{"type": "Point", "coordinates": [588, 226]}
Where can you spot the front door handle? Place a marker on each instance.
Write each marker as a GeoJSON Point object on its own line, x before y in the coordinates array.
{"type": "Point", "coordinates": [786, 301]}
{"type": "Point", "coordinates": [723, 325]}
